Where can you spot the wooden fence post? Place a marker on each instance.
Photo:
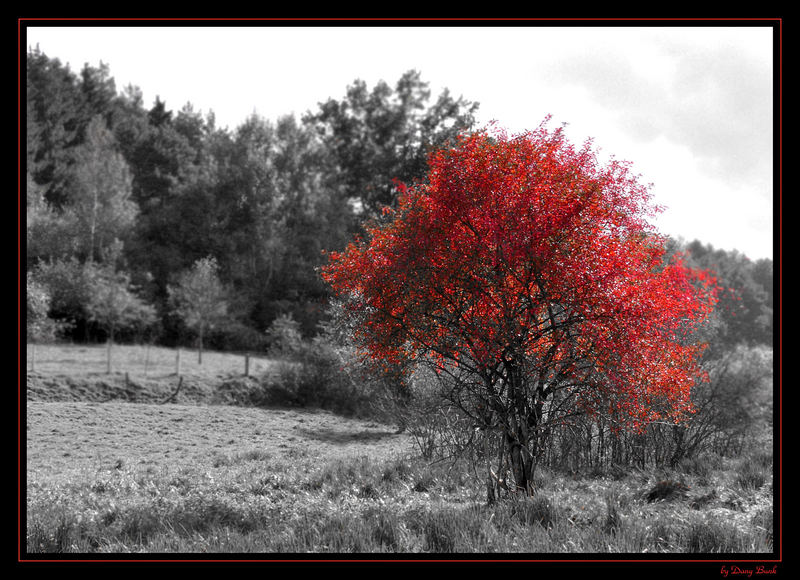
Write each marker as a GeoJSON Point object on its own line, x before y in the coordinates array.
{"type": "Point", "coordinates": [108, 356]}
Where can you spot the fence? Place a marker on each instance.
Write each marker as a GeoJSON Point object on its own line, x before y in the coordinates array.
{"type": "Point", "coordinates": [146, 361]}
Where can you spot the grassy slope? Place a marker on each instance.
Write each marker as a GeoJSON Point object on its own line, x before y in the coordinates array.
{"type": "Point", "coordinates": [140, 361]}
{"type": "Point", "coordinates": [139, 374]}
{"type": "Point", "coordinates": [122, 477]}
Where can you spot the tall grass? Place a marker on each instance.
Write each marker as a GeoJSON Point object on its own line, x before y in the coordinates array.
{"type": "Point", "coordinates": [251, 503]}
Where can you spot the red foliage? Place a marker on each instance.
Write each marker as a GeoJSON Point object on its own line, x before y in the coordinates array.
{"type": "Point", "coordinates": [524, 252]}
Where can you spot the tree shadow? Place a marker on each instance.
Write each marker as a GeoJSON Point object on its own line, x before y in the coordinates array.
{"type": "Point", "coordinates": [338, 437]}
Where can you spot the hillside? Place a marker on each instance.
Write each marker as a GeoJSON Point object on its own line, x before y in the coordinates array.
{"type": "Point", "coordinates": [140, 374]}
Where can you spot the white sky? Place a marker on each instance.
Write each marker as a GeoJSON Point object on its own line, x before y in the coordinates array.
{"type": "Point", "coordinates": [691, 108]}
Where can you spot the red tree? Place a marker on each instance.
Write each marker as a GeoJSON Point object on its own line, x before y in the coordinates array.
{"type": "Point", "coordinates": [529, 276]}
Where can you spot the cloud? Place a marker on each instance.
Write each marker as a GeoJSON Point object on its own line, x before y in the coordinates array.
{"type": "Point", "coordinates": [715, 99]}
{"type": "Point", "coordinates": [721, 108]}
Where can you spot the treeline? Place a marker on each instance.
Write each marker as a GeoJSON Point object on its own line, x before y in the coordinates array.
{"type": "Point", "coordinates": [140, 196]}
{"type": "Point", "coordinates": [744, 312]}
{"type": "Point", "coordinates": [124, 202]}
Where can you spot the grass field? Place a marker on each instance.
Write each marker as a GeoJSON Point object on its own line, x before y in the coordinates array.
{"type": "Point", "coordinates": [122, 477]}
{"type": "Point", "coordinates": [140, 361]}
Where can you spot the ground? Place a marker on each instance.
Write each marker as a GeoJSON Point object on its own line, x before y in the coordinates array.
{"type": "Point", "coordinates": [113, 468]}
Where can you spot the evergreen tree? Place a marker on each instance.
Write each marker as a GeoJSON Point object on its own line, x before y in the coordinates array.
{"type": "Point", "coordinates": [380, 135]}
{"type": "Point", "coordinates": [99, 93]}
{"type": "Point", "coordinates": [55, 109]}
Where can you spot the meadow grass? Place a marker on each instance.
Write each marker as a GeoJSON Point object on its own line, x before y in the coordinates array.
{"type": "Point", "coordinates": [350, 495]}
{"type": "Point", "coordinates": [210, 474]}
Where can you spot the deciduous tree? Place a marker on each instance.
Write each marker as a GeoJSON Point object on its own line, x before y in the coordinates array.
{"type": "Point", "coordinates": [199, 298]}
{"type": "Point", "coordinates": [114, 304]}
{"type": "Point", "coordinates": [527, 274]}
{"type": "Point", "coordinates": [99, 188]}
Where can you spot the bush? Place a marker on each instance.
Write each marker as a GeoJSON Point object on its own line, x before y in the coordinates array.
{"type": "Point", "coordinates": [284, 338]}
{"type": "Point", "coordinates": [315, 376]}
{"type": "Point", "coordinates": [69, 287]}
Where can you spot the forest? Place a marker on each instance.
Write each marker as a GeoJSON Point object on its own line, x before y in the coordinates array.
{"type": "Point", "coordinates": [136, 197]}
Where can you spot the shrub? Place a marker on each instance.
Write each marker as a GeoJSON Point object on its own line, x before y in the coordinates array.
{"type": "Point", "coordinates": [69, 286]}
{"type": "Point", "coordinates": [284, 337]}
{"type": "Point", "coordinates": [315, 376]}
{"type": "Point", "coordinates": [38, 326]}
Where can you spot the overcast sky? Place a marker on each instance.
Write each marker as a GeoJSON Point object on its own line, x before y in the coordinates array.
{"type": "Point", "coordinates": [691, 108]}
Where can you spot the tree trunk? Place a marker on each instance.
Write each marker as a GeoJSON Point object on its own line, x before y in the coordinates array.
{"type": "Point", "coordinates": [521, 437]}
{"type": "Point", "coordinates": [521, 448]}
{"type": "Point", "coordinates": [109, 341]}
{"type": "Point", "coordinates": [93, 225]}
{"type": "Point", "coordinates": [522, 460]}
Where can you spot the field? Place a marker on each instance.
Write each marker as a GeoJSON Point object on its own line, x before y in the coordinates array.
{"type": "Point", "coordinates": [193, 475]}
{"type": "Point", "coordinates": [140, 361]}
